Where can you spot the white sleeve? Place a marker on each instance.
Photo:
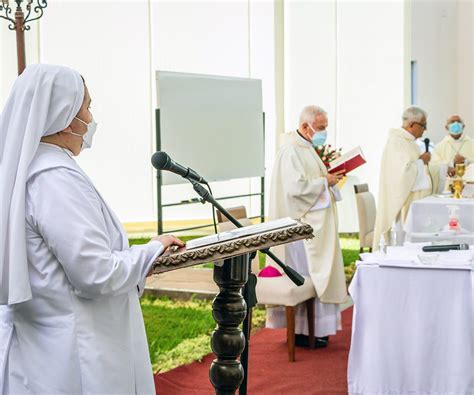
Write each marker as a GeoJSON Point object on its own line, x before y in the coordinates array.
{"type": "Point", "coordinates": [67, 213]}
{"type": "Point", "coordinates": [443, 175]}
{"type": "Point", "coordinates": [337, 193]}
{"type": "Point", "coordinates": [422, 180]}
{"type": "Point", "coordinates": [324, 199]}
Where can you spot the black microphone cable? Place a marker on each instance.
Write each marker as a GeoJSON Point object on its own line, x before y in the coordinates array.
{"type": "Point", "coordinates": [213, 210]}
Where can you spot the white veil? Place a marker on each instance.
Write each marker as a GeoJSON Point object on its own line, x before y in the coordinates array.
{"type": "Point", "coordinates": [43, 101]}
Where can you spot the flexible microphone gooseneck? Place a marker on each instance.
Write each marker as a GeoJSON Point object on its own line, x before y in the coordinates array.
{"type": "Point", "coordinates": [162, 161]}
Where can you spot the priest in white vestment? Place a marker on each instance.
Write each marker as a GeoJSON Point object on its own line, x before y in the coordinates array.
{"type": "Point", "coordinates": [456, 147]}
{"type": "Point", "coordinates": [302, 188]}
{"type": "Point", "coordinates": [70, 318]}
{"type": "Point", "coordinates": [405, 175]}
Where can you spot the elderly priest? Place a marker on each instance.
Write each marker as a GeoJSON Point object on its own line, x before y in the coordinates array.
{"type": "Point", "coordinates": [456, 147]}
{"type": "Point", "coordinates": [405, 175]}
{"type": "Point", "coordinates": [302, 188]}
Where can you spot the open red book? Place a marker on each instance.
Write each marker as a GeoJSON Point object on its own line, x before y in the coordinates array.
{"type": "Point", "coordinates": [349, 161]}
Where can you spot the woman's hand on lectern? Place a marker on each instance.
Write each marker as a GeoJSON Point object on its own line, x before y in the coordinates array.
{"type": "Point", "coordinates": [169, 241]}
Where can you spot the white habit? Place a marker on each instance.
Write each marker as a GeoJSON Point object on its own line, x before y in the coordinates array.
{"type": "Point", "coordinates": [70, 318]}
{"type": "Point", "coordinates": [299, 190]}
{"type": "Point", "coordinates": [83, 331]}
{"type": "Point", "coordinates": [446, 150]}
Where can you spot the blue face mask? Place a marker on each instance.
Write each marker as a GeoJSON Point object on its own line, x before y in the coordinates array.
{"type": "Point", "coordinates": [318, 138]}
{"type": "Point", "coordinates": [455, 128]}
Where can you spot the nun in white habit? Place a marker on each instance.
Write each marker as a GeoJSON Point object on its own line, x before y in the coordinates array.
{"type": "Point", "coordinates": [70, 318]}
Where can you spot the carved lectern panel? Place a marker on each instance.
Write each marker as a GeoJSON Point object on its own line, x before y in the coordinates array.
{"type": "Point", "coordinates": [228, 249]}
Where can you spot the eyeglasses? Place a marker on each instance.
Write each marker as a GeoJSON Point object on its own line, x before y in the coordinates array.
{"type": "Point", "coordinates": [423, 125]}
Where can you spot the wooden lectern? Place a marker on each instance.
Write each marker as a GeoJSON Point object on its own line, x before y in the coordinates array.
{"type": "Point", "coordinates": [231, 270]}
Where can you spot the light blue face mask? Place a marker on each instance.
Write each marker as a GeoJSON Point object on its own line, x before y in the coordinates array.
{"type": "Point", "coordinates": [318, 138]}
{"type": "Point", "coordinates": [455, 128]}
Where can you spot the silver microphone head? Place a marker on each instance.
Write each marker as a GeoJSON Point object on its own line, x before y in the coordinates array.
{"type": "Point", "coordinates": [463, 246]}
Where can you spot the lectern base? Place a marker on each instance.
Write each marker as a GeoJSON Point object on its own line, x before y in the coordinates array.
{"type": "Point", "coordinates": [229, 310]}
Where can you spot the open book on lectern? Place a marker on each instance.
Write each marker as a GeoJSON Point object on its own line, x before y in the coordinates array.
{"type": "Point", "coordinates": [240, 232]}
{"type": "Point", "coordinates": [233, 243]}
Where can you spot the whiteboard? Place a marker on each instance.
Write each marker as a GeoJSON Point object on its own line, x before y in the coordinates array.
{"type": "Point", "coordinates": [212, 124]}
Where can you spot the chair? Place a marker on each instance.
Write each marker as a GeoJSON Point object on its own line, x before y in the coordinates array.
{"type": "Point", "coordinates": [366, 211]}
{"type": "Point", "coordinates": [279, 291]}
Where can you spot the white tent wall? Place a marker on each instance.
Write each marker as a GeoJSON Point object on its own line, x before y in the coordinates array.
{"type": "Point", "coordinates": [465, 63]}
{"type": "Point", "coordinates": [348, 56]}
{"type": "Point", "coordinates": [370, 87]}
{"type": "Point", "coordinates": [118, 46]}
{"type": "Point", "coordinates": [220, 38]}
{"type": "Point", "coordinates": [113, 57]}
{"type": "Point", "coordinates": [310, 60]}
{"type": "Point", "coordinates": [442, 50]}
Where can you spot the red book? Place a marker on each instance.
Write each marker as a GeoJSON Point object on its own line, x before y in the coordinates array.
{"type": "Point", "coordinates": [349, 161]}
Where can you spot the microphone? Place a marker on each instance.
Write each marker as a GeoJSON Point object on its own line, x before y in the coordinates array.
{"type": "Point", "coordinates": [427, 144]}
{"type": "Point", "coordinates": [162, 161]}
{"type": "Point", "coordinates": [446, 247]}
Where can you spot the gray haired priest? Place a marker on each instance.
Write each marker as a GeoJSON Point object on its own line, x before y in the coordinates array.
{"type": "Point", "coordinates": [302, 188]}
{"type": "Point", "coordinates": [405, 175]}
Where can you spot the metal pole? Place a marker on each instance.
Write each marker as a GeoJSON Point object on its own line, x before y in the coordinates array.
{"type": "Point", "coordinates": [159, 176]}
{"type": "Point", "coordinates": [20, 39]}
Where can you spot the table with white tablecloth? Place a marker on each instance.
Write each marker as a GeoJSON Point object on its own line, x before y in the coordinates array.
{"type": "Point", "coordinates": [413, 329]}
{"type": "Point", "coordinates": [428, 218]}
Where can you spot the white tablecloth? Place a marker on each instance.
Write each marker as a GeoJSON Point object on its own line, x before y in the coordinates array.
{"type": "Point", "coordinates": [413, 331]}
{"type": "Point", "coordinates": [427, 218]}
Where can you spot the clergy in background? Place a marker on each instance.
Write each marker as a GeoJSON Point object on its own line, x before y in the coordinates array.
{"type": "Point", "coordinates": [302, 188]}
{"type": "Point", "coordinates": [456, 147]}
{"type": "Point", "coordinates": [405, 175]}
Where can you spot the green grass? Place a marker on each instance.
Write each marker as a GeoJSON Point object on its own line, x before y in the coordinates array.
{"type": "Point", "coordinates": [173, 325]}
{"type": "Point", "coordinates": [179, 332]}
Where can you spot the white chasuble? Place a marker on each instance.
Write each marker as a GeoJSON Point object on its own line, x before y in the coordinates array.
{"type": "Point", "coordinates": [403, 179]}
{"type": "Point", "coordinates": [82, 332]}
{"type": "Point", "coordinates": [446, 150]}
{"type": "Point", "coordinates": [298, 182]}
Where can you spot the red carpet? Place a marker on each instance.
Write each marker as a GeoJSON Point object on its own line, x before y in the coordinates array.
{"type": "Point", "coordinates": [319, 371]}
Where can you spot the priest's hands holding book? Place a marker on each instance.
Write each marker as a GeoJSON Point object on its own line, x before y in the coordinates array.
{"type": "Point", "coordinates": [334, 178]}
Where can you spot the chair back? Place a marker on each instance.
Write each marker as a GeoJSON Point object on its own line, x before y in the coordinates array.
{"type": "Point", "coordinates": [366, 211]}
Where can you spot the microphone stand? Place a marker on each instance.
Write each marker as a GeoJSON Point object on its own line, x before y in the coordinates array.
{"type": "Point", "coordinates": [293, 275]}
{"type": "Point", "coordinates": [249, 292]}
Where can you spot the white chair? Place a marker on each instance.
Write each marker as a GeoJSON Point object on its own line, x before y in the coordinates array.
{"type": "Point", "coordinates": [279, 291]}
{"type": "Point", "coordinates": [366, 211]}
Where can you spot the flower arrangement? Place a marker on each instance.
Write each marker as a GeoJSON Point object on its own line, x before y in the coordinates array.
{"type": "Point", "coordinates": [327, 153]}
